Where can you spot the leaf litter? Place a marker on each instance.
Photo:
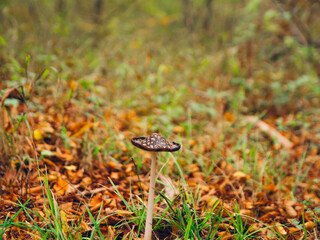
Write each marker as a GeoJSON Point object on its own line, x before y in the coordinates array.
{"type": "Point", "coordinates": [67, 149]}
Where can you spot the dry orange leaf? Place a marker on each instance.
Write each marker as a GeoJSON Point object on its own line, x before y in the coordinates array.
{"type": "Point", "coordinates": [115, 175]}
{"type": "Point", "coordinates": [96, 200]}
{"type": "Point", "coordinates": [148, 60]}
{"type": "Point", "coordinates": [212, 200]}
{"type": "Point", "coordinates": [280, 229]}
{"type": "Point", "coordinates": [73, 84]}
{"type": "Point", "coordinates": [66, 206]}
{"type": "Point", "coordinates": [66, 156]}
{"type": "Point", "coordinates": [50, 163]}
{"type": "Point", "coordinates": [71, 168]}
{"type": "Point", "coordinates": [309, 225]}
{"type": "Point", "coordinates": [111, 202]}
{"type": "Point", "coordinates": [112, 166]}
{"type": "Point", "coordinates": [86, 181]}
{"type": "Point", "coordinates": [85, 226]}
{"type": "Point", "coordinates": [271, 188]}
{"type": "Point", "coordinates": [45, 127]}
{"type": "Point", "coordinates": [36, 189]}
{"type": "Point", "coordinates": [111, 232]}
{"type": "Point", "coordinates": [247, 212]}
{"type": "Point", "coordinates": [240, 176]}
{"type": "Point", "coordinates": [37, 135]}
{"type": "Point", "coordinates": [229, 117]}
{"type": "Point", "coordinates": [292, 213]}
{"type": "Point", "coordinates": [61, 186]}
{"type": "Point", "coordinates": [192, 142]}
{"type": "Point", "coordinates": [178, 129]}
{"type": "Point", "coordinates": [82, 130]}
{"type": "Point", "coordinates": [51, 177]}
{"type": "Point", "coordinates": [293, 229]}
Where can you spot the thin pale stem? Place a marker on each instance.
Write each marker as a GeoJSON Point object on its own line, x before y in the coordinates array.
{"type": "Point", "coordinates": [148, 231]}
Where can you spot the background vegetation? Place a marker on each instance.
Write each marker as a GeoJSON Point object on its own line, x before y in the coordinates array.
{"type": "Point", "coordinates": [89, 75]}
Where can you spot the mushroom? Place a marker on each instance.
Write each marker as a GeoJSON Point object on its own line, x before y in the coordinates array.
{"type": "Point", "coordinates": [154, 143]}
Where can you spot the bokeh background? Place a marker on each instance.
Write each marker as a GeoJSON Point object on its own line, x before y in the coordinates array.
{"type": "Point", "coordinates": [251, 47]}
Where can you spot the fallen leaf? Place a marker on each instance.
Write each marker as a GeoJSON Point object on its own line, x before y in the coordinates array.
{"type": "Point", "coordinates": [293, 230]}
{"type": "Point", "coordinates": [61, 186]}
{"type": "Point", "coordinates": [95, 200]}
{"type": "Point", "coordinates": [271, 187]}
{"type": "Point", "coordinates": [280, 229]}
{"type": "Point", "coordinates": [192, 142]}
{"type": "Point", "coordinates": [229, 117]}
{"type": "Point", "coordinates": [73, 84]}
{"type": "Point", "coordinates": [247, 212]}
{"type": "Point", "coordinates": [31, 190]}
{"type": "Point", "coordinates": [67, 207]}
{"type": "Point", "coordinates": [291, 212]}
{"type": "Point", "coordinates": [13, 93]}
{"type": "Point", "coordinates": [111, 165]}
{"type": "Point", "coordinates": [86, 181]}
{"type": "Point", "coordinates": [66, 156]}
{"type": "Point", "coordinates": [178, 129]}
{"type": "Point", "coordinates": [309, 225]}
{"type": "Point", "coordinates": [37, 135]}
{"type": "Point", "coordinates": [240, 176]}
{"type": "Point", "coordinates": [80, 131]}
{"type": "Point", "coordinates": [115, 175]}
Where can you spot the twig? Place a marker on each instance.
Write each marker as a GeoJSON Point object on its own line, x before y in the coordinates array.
{"type": "Point", "coordinates": [270, 131]}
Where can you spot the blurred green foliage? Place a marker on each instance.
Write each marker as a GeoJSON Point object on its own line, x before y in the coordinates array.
{"type": "Point", "coordinates": [137, 45]}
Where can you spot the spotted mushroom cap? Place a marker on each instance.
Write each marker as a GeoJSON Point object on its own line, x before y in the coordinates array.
{"type": "Point", "coordinates": [155, 143]}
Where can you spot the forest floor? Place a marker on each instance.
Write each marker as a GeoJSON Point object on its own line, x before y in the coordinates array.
{"type": "Point", "coordinates": [74, 173]}
{"type": "Point", "coordinates": [246, 114]}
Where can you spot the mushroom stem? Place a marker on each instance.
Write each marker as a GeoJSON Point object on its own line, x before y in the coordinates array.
{"type": "Point", "coordinates": [148, 230]}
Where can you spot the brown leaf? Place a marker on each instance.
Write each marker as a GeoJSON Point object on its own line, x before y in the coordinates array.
{"type": "Point", "coordinates": [67, 206]}
{"type": "Point", "coordinates": [240, 176]}
{"type": "Point", "coordinates": [247, 212]}
{"type": "Point", "coordinates": [291, 212]}
{"type": "Point", "coordinates": [229, 117]}
{"type": "Point", "coordinates": [178, 129]}
{"type": "Point", "coordinates": [31, 190]}
{"type": "Point", "coordinates": [293, 230]}
{"type": "Point", "coordinates": [309, 225]}
{"type": "Point", "coordinates": [81, 128]}
{"type": "Point", "coordinates": [86, 181]}
{"type": "Point", "coordinates": [115, 175]}
{"type": "Point", "coordinates": [112, 166]}
{"type": "Point", "coordinates": [73, 84]}
{"type": "Point", "coordinates": [280, 229]}
{"type": "Point", "coordinates": [61, 186]}
{"type": "Point", "coordinates": [66, 155]}
{"type": "Point", "coordinates": [13, 93]}
{"type": "Point", "coordinates": [271, 188]}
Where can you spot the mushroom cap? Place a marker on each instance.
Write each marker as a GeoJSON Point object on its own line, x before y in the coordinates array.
{"type": "Point", "coordinates": [155, 143]}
